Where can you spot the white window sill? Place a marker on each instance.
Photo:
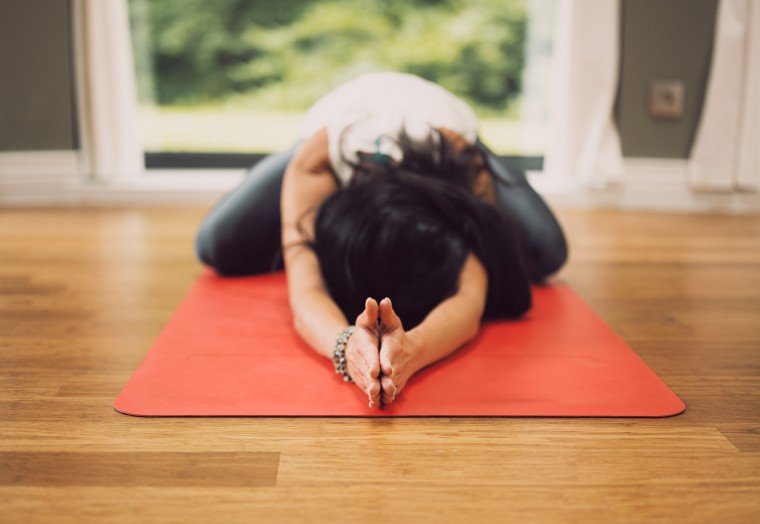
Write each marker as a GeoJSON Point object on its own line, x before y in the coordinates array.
{"type": "Point", "coordinates": [162, 186]}
{"type": "Point", "coordinates": [189, 179]}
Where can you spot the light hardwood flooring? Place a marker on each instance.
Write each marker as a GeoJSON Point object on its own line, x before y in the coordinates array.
{"type": "Point", "coordinates": [84, 292]}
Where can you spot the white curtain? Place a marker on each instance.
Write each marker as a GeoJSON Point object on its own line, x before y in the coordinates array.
{"type": "Point", "coordinates": [725, 155]}
{"type": "Point", "coordinates": [106, 91]}
{"type": "Point", "coordinates": [584, 145]}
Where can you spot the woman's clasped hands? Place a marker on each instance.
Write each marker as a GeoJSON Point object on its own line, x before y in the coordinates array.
{"type": "Point", "coordinates": [380, 355]}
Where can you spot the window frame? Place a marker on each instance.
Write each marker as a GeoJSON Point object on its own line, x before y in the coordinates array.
{"type": "Point", "coordinates": [159, 160]}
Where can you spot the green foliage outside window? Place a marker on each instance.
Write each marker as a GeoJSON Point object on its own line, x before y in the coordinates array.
{"type": "Point", "coordinates": [284, 54]}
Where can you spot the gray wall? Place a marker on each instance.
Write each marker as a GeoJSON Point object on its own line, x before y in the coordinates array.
{"type": "Point", "coordinates": [36, 96]}
{"type": "Point", "coordinates": [663, 40]}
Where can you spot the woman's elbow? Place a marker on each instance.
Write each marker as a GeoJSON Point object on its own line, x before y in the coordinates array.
{"type": "Point", "coordinates": [473, 329]}
{"type": "Point", "coordinates": [297, 316]}
{"type": "Point", "coordinates": [477, 308]}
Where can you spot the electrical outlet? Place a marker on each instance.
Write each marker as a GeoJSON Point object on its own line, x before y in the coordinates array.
{"type": "Point", "coordinates": [666, 99]}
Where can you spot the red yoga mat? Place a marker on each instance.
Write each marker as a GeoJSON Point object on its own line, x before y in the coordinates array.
{"type": "Point", "coordinates": [231, 350]}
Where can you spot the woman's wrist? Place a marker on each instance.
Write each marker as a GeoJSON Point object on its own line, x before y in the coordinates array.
{"type": "Point", "coordinates": [438, 337]}
{"type": "Point", "coordinates": [417, 348]}
{"type": "Point", "coordinates": [339, 353]}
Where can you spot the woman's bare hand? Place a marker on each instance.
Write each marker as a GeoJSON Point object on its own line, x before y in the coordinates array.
{"type": "Point", "coordinates": [397, 353]}
{"type": "Point", "coordinates": [362, 357]}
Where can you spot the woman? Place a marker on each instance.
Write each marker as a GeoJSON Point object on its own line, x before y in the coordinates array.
{"type": "Point", "coordinates": [391, 212]}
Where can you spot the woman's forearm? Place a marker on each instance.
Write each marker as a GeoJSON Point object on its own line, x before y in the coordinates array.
{"type": "Point", "coordinates": [456, 320]}
{"type": "Point", "coordinates": [452, 324]}
{"type": "Point", "coordinates": [318, 320]}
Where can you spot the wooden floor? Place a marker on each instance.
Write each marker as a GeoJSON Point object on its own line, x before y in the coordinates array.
{"type": "Point", "coordinates": [84, 292]}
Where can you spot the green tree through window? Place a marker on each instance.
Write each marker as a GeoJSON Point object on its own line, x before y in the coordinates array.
{"type": "Point", "coordinates": [258, 64]}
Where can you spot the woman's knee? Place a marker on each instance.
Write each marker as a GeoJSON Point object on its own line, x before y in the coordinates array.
{"type": "Point", "coordinates": [210, 247]}
{"type": "Point", "coordinates": [216, 248]}
{"type": "Point", "coordinates": [233, 251]}
{"type": "Point", "coordinates": [549, 254]}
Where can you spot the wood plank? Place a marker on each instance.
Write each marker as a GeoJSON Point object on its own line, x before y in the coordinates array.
{"type": "Point", "coordinates": [138, 468]}
{"type": "Point", "coordinates": [746, 437]}
{"type": "Point", "coordinates": [341, 503]}
{"type": "Point", "coordinates": [737, 502]}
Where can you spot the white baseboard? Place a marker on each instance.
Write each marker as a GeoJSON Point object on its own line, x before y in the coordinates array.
{"type": "Point", "coordinates": [164, 187]}
{"type": "Point", "coordinates": [648, 184]}
{"type": "Point", "coordinates": [38, 177]}
{"type": "Point", "coordinates": [53, 178]}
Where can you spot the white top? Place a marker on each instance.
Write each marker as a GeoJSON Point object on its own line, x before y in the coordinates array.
{"type": "Point", "coordinates": [368, 113]}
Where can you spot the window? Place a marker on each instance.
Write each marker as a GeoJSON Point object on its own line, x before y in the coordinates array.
{"type": "Point", "coordinates": [218, 81]}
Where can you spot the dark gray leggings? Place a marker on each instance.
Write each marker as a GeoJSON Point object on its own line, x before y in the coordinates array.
{"type": "Point", "coordinates": [241, 234]}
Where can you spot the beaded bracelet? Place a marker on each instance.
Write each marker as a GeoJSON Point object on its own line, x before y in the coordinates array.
{"type": "Point", "coordinates": [339, 354]}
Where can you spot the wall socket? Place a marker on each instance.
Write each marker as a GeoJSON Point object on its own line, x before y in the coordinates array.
{"type": "Point", "coordinates": [665, 100]}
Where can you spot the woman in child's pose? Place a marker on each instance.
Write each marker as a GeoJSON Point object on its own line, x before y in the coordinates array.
{"type": "Point", "coordinates": [398, 228]}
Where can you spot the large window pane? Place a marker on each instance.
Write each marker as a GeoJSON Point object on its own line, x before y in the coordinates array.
{"type": "Point", "coordinates": [237, 75]}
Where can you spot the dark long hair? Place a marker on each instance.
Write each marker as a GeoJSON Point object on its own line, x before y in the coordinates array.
{"type": "Point", "coordinates": [403, 231]}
